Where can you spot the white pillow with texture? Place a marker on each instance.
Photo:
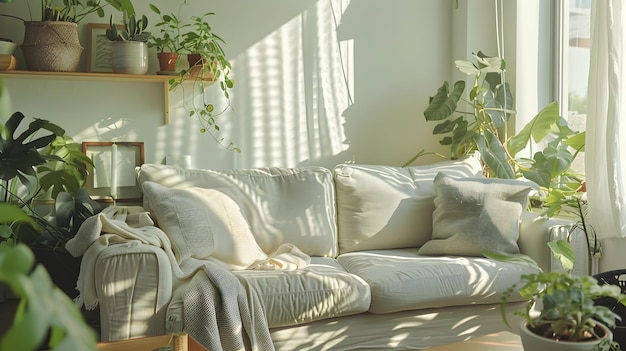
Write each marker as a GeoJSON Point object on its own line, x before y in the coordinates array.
{"type": "Point", "coordinates": [385, 207]}
{"type": "Point", "coordinates": [281, 205]}
{"type": "Point", "coordinates": [476, 214]}
{"type": "Point", "coordinates": [204, 223]}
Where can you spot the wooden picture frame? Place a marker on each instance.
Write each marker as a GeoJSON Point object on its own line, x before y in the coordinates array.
{"type": "Point", "coordinates": [99, 47]}
{"type": "Point", "coordinates": [98, 182]}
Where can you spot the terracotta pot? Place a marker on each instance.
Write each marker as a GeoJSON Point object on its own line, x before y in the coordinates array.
{"type": "Point", "coordinates": [51, 46]}
{"type": "Point", "coordinates": [534, 342]}
{"type": "Point", "coordinates": [198, 68]}
{"type": "Point", "coordinates": [167, 61]}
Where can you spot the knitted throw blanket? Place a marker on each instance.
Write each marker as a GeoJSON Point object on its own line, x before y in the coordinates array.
{"type": "Point", "coordinates": [216, 304]}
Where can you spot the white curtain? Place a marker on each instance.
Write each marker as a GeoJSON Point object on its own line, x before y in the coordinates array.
{"type": "Point", "coordinates": [605, 151]}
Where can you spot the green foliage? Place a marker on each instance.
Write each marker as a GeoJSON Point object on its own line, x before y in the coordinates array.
{"type": "Point", "coordinates": [134, 29]}
{"type": "Point", "coordinates": [70, 211]}
{"type": "Point", "coordinates": [568, 311]}
{"type": "Point", "coordinates": [477, 120]}
{"type": "Point", "coordinates": [76, 10]}
{"type": "Point", "coordinates": [18, 153]}
{"type": "Point", "coordinates": [32, 165]}
{"type": "Point", "coordinates": [211, 67]}
{"type": "Point", "coordinates": [45, 316]}
{"type": "Point", "coordinates": [170, 29]}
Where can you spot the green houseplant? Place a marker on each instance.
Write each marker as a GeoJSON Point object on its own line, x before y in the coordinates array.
{"type": "Point", "coordinates": [476, 119]}
{"type": "Point", "coordinates": [560, 308]}
{"type": "Point", "coordinates": [75, 10]}
{"type": "Point", "coordinates": [207, 65]}
{"type": "Point", "coordinates": [31, 165]}
{"type": "Point", "coordinates": [45, 316]}
{"type": "Point", "coordinates": [129, 52]}
{"type": "Point", "coordinates": [168, 41]}
{"type": "Point", "coordinates": [52, 43]}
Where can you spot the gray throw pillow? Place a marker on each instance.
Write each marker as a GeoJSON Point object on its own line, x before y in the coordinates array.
{"type": "Point", "coordinates": [473, 215]}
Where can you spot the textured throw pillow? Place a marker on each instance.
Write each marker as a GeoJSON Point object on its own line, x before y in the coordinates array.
{"type": "Point", "coordinates": [476, 214]}
{"type": "Point", "coordinates": [204, 223]}
{"type": "Point", "coordinates": [385, 207]}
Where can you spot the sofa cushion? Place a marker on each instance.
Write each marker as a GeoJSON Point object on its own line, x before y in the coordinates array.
{"type": "Point", "coordinates": [403, 280]}
{"type": "Point", "coordinates": [204, 222]}
{"type": "Point", "coordinates": [321, 290]}
{"type": "Point", "coordinates": [281, 205]}
{"type": "Point", "coordinates": [384, 207]}
{"type": "Point", "coordinates": [476, 214]}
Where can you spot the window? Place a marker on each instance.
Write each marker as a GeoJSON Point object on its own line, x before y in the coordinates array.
{"type": "Point", "coordinates": [574, 34]}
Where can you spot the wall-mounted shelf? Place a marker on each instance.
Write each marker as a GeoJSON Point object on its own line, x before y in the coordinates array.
{"type": "Point", "coordinates": [91, 76]}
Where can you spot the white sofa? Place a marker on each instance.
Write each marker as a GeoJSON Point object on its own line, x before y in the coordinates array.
{"type": "Point", "coordinates": [368, 285]}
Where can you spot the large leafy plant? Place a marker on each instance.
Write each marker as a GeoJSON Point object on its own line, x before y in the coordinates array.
{"type": "Point", "coordinates": [477, 119]}
{"type": "Point", "coordinates": [35, 161]}
{"type": "Point", "coordinates": [45, 316]}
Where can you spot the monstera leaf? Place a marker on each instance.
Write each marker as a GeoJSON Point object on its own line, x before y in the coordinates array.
{"type": "Point", "coordinates": [19, 155]}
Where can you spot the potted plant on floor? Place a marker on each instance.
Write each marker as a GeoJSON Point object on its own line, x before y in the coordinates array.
{"type": "Point", "coordinates": [476, 119]}
{"type": "Point", "coordinates": [168, 42]}
{"type": "Point", "coordinates": [560, 313]}
{"type": "Point", "coordinates": [52, 43]}
{"type": "Point", "coordinates": [42, 160]}
{"type": "Point", "coordinates": [45, 318]}
{"type": "Point", "coordinates": [130, 44]}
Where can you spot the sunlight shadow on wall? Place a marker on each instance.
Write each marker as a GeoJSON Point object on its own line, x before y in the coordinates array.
{"type": "Point", "coordinates": [292, 87]}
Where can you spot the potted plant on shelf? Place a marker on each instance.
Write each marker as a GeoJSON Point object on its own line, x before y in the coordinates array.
{"type": "Point", "coordinates": [168, 42]}
{"type": "Point", "coordinates": [207, 65]}
{"type": "Point", "coordinates": [560, 313]}
{"type": "Point", "coordinates": [52, 43]}
{"type": "Point", "coordinates": [130, 45]}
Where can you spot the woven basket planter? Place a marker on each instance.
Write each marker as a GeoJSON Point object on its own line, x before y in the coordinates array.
{"type": "Point", "coordinates": [51, 46]}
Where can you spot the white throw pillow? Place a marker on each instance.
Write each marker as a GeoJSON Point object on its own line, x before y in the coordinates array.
{"type": "Point", "coordinates": [204, 223]}
{"type": "Point", "coordinates": [385, 207]}
{"type": "Point", "coordinates": [281, 205]}
{"type": "Point", "coordinates": [476, 214]}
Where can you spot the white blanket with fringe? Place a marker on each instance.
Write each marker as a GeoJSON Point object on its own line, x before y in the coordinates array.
{"type": "Point", "coordinates": [220, 312]}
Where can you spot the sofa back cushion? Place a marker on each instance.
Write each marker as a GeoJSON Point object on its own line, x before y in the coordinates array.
{"type": "Point", "coordinates": [281, 205]}
{"type": "Point", "coordinates": [384, 207]}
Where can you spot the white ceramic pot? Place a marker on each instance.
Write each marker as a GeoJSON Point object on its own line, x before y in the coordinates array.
{"type": "Point", "coordinates": [130, 57]}
{"type": "Point", "coordinates": [534, 342]}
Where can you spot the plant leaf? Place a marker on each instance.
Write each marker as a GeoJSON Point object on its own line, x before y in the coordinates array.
{"type": "Point", "coordinates": [443, 105]}
{"type": "Point", "coordinates": [564, 252]}
{"type": "Point", "coordinates": [494, 155]}
{"type": "Point", "coordinates": [537, 129]}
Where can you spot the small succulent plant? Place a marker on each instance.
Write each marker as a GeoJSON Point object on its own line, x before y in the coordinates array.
{"type": "Point", "coordinates": [134, 29]}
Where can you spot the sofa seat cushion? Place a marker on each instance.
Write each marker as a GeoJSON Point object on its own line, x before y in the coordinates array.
{"type": "Point", "coordinates": [322, 290]}
{"type": "Point", "coordinates": [403, 280]}
{"type": "Point", "coordinates": [385, 207]}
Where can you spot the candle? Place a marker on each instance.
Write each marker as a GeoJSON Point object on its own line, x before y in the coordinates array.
{"type": "Point", "coordinates": [114, 171]}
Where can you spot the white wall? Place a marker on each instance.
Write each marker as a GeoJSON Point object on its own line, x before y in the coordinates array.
{"type": "Point", "coordinates": [312, 88]}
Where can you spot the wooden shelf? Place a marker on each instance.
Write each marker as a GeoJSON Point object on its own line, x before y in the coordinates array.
{"type": "Point", "coordinates": [98, 76]}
